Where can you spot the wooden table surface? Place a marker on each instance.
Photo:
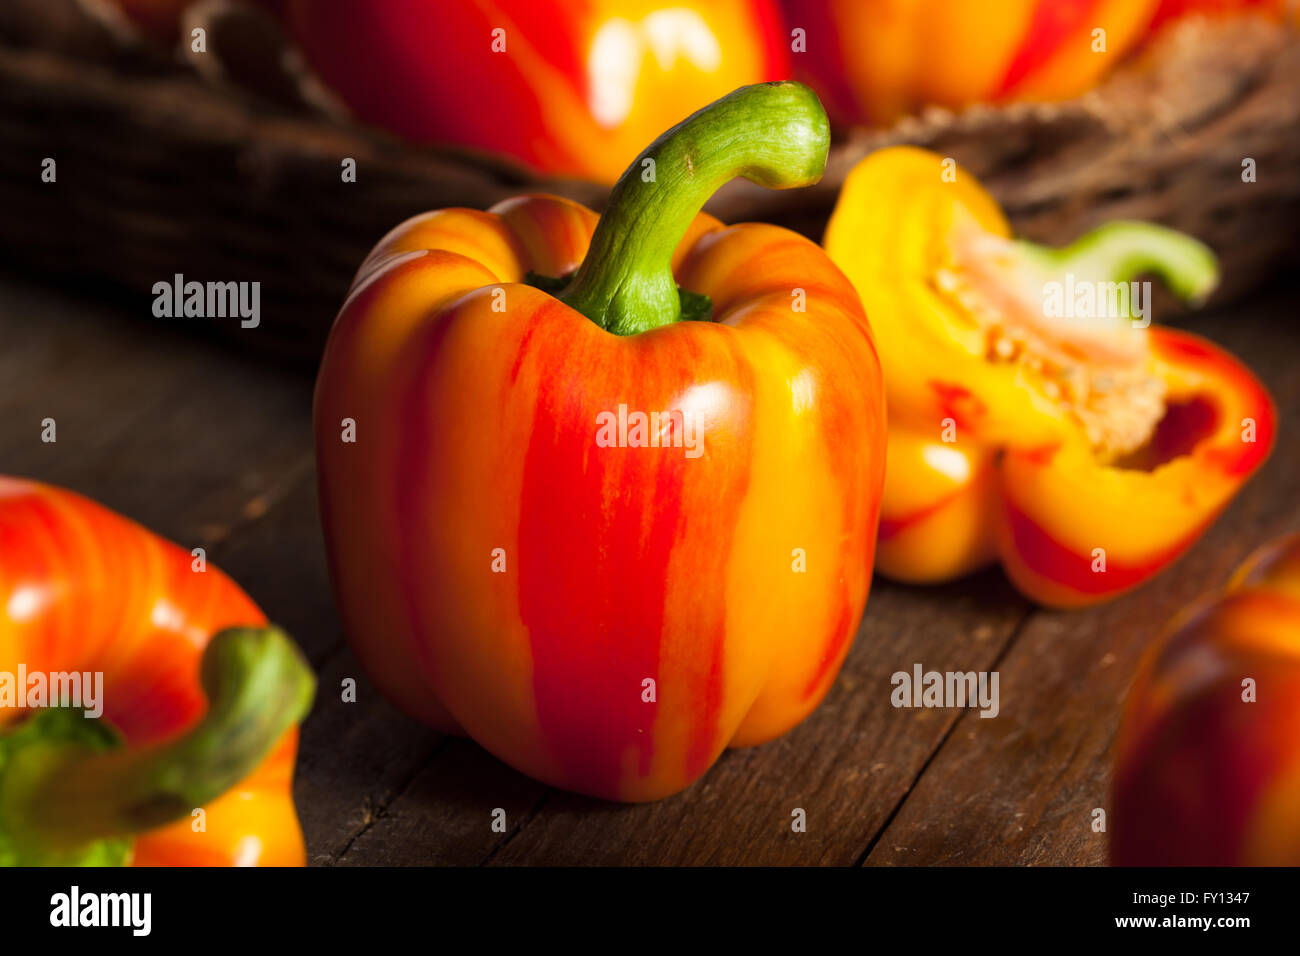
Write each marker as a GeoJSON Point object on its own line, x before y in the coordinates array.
{"type": "Point", "coordinates": [211, 447]}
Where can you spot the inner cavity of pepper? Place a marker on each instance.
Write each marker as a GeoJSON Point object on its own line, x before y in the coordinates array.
{"type": "Point", "coordinates": [1097, 368]}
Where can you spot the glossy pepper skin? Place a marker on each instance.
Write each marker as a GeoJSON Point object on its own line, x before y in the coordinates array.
{"type": "Point", "coordinates": [201, 697]}
{"type": "Point", "coordinates": [984, 465]}
{"type": "Point", "coordinates": [1208, 766]}
{"type": "Point", "coordinates": [579, 88]}
{"type": "Point", "coordinates": [872, 61]}
{"type": "Point", "coordinates": [476, 441]}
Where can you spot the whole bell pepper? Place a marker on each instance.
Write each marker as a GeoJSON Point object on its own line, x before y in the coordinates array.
{"type": "Point", "coordinates": [1079, 445]}
{"type": "Point", "coordinates": [609, 526]}
{"type": "Point", "coordinates": [196, 699]}
{"type": "Point", "coordinates": [873, 61]}
{"type": "Point", "coordinates": [1208, 765]}
{"type": "Point", "coordinates": [573, 89]}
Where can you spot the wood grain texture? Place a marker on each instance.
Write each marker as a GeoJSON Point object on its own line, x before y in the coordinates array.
{"type": "Point", "coordinates": [194, 447]}
{"type": "Point", "coordinates": [210, 446]}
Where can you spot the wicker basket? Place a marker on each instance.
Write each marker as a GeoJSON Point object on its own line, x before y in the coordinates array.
{"type": "Point", "coordinates": [216, 169]}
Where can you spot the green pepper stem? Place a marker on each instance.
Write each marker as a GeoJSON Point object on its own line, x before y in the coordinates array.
{"type": "Point", "coordinates": [258, 685]}
{"type": "Point", "coordinates": [1122, 250]}
{"type": "Point", "coordinates": [773, 134]}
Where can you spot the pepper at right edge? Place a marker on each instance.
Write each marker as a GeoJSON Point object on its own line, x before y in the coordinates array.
{"type": "Point", "coordinates": [1207, 762]}
{"type": "Point", "coordinates": [1036, 417]}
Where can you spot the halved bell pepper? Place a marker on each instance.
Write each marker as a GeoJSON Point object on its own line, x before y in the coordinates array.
{"type": "Point", "coordinates": [1208, 765]}
{"type": "Point", "coordinates": [605, 599]}
{"type": "Point", "coordinates": [189, 761]}
{"type": "Point", "coordinates": [1036, 417]}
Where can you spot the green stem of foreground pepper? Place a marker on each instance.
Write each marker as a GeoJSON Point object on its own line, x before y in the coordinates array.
{"type": "Point", "coordinates": [773, 134]}
{"type": "Point", "coordinates": [64, 785]}
{"type": "Point", "coordinates": [1122, 250]}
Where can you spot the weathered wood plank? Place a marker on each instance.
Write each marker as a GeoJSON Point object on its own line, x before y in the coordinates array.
{"type": "Point", "coordinates": [846, 766]}
{"type": "Point", "coordinates": [353, 761]}
{"type": "Point", "coordinates": [1021, 788]}
{"type": "Point", "coordinates": [447, 814]}
{"type": "Point", "coordinates": [189, 440]}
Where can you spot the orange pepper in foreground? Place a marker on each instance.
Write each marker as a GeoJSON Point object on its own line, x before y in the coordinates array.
{"type": "Point", "coordinates": [199, 698]}
{"type": "Point", "coordinates": [1208, 766]}
{"type": "Point", "coordinates": [607, 615]}
{"type": "Point", "coordinates": [1075, 444]}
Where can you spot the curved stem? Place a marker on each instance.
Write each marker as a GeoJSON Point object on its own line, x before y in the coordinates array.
{"type": "Point", "coordinates": [773, 134]}
{"type": "Point", "coordinates": [62, 794]}
{"type": "Point", "coordinates": [1122, 250]}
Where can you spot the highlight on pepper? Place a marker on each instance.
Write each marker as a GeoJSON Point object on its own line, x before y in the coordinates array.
{"type": "Point", "coordinates": [156, 720]}
{"type": "Point", "coordinates": [1208, 765]}
{"type": "Point", "coordinates": [609, 495]}
{"type": "Point", "coordinates": [1037, 418]}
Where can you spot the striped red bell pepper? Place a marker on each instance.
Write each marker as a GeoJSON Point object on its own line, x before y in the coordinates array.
{"type": "Point", "coordinates": [605, 541]}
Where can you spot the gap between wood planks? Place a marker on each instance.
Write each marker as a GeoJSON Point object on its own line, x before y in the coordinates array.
{"type": "Point", "coordinates": [1002, 653]}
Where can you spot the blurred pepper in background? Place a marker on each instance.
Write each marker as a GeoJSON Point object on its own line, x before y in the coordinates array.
{"type": "Point", "coordinates": [573, 88]}
{"type": "Point", "coordinates": [872, 61]}
{"type": "Point", "coordinates": [200, 699]}
{"type": "Point", "coordinates": [1083, 449]}
{"type": "Point", "coordinates": [1208, 767]}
